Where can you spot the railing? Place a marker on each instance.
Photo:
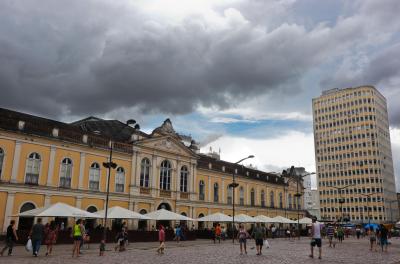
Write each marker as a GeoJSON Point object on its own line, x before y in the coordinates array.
{"type": "Point", "coordinates": [144, 190]}
{"type": "Point", "coordinates": [165, 193]}
{"type": "Point", "coordinates": [184, 195]}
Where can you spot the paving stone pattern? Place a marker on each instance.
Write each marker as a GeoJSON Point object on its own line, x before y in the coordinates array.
{"type": "Point", "coordinates": [203, 251]}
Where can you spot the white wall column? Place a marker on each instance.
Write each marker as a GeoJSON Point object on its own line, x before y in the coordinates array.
{"type": "Point", "coordinates": [223, 191]}
{"type": "Point", "coordinates": [51, 166]}
{"type": "Point", "coordinates": [46, 203]}
{"type": "Point", "coordinates": [209, 189]}
{"type": "Point", "coordinates": [133, 182]}
{"type": "Point", "coordinates": [16, 159]}
{"type": "Point", "coordinates": [9, 208]}
{"type": "Point", "coordinates": [82, 170]}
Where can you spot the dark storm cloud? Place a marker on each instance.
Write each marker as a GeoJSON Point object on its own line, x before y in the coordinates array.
{"type": "Point", "coordinates": [79, 57]}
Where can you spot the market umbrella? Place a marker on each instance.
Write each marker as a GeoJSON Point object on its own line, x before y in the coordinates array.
{"type": "Point", "coordinates": [305, 220]}
{"type": "Point", "coordinates": [264, 219]}
{"type": "Point", "coordinates": [58, 210]}
{"type": "Point", "coordinates": [217, 217]}
{"type": "Point", "coordinates": [163, 214]}
{"type": "Point", "coordinates": [118, 212]}
{"type": "Point", "coordinates": [283, 220]}
{"type": "Point", "coordinates": [243, 218]}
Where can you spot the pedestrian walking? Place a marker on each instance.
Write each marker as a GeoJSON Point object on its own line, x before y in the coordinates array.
{"type": "Point", "coordinates": [287, 233]}
{"type": "Point", "coordinates": [36, 236]}
{"type": "Point", "coordinates": [372, 238]}
{"type": "Point", "coordinates": [259, 236]}
{"type": "Point", "coordinates": [11, 238]}
{"type": "Point", "coordinates": [383, 237]}
{"type": "Point", "coordinates": [316, 237]}
{"type": "Point", "coordinates": [273, 231]}
{"type": "Point", "coordinates": [330, 231]}
{"type": "Point", "coordinates": [102, 247]}
{"type": "Point", "coordinates": [340, 234]}
{"type": "Point", "coordinates": [161, 239]}
{"type": "Point", "coordinates": [358, 232]}
{"type": "Point", "coordinates": [218, 232]}
{"type": "Point", "coordinates": [178, 233]}
{"type": "Point", "coordinates": [243, 235]}
{"type": "Point", "coordinates": [77, 233]}
{"type": "Point", "coordinates": [50, 237]}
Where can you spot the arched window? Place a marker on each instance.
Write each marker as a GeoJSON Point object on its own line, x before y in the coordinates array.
{"type": "Point", "coordinates": [145, 173]}
{"type": "Point", "coordinates": [262, 198]}
{"type": "Point", "coordinates": [184, 179]}
{"type": "Point", "coordinates": [92, 209]}
{"type": "Point", "coordinates": [241, 195]}
{"type": "Point", "coordinates": [216, 189]}
{"type": "Point", "coordinates": [271, 199]}
{"type": "Point", "coordinates": [229, 195]}
{"type": "Point", "coordinates": [252, 197]}
{"type": "Point", "coordinates": [66, 173]}
{"type": "Point", "coordinates": [1, 161]}
{"type": "Point", "coordinates": [200, 225]}
{"type": "Point", "coordinates": [120, 180]}
{"type": "Point", "coordinates": [33, 169]}
{"type": "Point", "coordinates": [201, 190]}
{"type": "Point", "coordinates": [165, 175]}
{"type": "Point", "coordinates": [280, 200]}
{"type": "Point", "coordinates": [290, 201]}
{"type": "Point", "coordinates": [94, 177]}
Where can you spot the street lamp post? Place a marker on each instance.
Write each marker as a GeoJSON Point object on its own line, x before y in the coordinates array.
{"type": "Point", "coordinates": [112, 165]}
{"type": "Point", "coordinates": [292, 173]}
{"type": "Point", "coordinates": [341, 199]}
{"type": "Point", "coordinates": [368, 199]}
{"type": "Point", "coordinates": [233, 185]}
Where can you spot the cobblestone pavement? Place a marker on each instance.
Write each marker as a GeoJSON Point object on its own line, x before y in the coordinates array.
{"type": "Point", "coordinates": [203, 251]}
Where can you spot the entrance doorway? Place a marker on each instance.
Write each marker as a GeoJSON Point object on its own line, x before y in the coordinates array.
{"type": "Point", "coordinates": [26, 223]}
{"type": "Point", "coordinates": [165, 223]}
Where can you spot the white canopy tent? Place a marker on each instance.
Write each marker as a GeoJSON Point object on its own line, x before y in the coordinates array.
{"type": "Point", "coordinates": [163, 214]}
{"type": "Point", "coordinates": [283, 220]}
{"type": "Point", "coordinates": [118, 212]}
{"type": "Point", "coordinates": [305, 220]}
{"type": "Point", "coordinates": [243, 218]}
{"type": "Point", "coordinates": [264, 219]}
{"type": "Point", "coordinates": [58, 210]}
{"type": "Point", "coordinates": [217, 217]}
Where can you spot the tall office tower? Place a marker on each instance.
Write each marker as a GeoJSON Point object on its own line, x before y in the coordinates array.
{"type": "Point", "coordinates": [353, 156]}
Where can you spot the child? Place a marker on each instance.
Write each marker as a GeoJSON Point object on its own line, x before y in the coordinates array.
{"type": "Point", "coordinates": [102, 247]}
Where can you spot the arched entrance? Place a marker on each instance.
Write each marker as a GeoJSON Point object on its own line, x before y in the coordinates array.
{"type": "Point", "coordinates": [165, 223]}
{"type": "Point", "coordinates": [26, 223]}
{"type": "Point", "coordinates": [142, 224]}
{"type": "Point", "coordinates": [200, 225]}
{"type": "Point", "coordinates": [183, 223]}
{"type": "Point", "coordinates": [90, 223]}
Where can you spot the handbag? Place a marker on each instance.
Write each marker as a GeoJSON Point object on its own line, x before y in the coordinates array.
{"type": "Point", "coordinates": [28, 245]}
{"type": "Point", "coordinates": [266, 244]}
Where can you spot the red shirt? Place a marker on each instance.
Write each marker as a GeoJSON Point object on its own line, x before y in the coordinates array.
{"type": "Point", "coordinates": [161, 235]}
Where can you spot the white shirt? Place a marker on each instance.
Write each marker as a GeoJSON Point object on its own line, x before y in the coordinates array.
{"type": "Point", "coordinates": [317, 230]}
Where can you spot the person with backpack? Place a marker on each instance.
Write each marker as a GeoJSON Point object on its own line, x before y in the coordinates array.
{"type": "Point", "coordinates": [36, 236]}
{"type": "Point", "coordinates": [259, 235]}
{"type": "Point", "coordinates": [11, 238]}
{"type": "Point", "coordinates": [242, 237]}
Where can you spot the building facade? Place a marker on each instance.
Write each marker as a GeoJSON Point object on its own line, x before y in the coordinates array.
{"type": "Point", "coordinates": [353, 155]}
{"type": "Point", "coordinates": [44, 161]}
{"type": "Point", "coordinates": [311, 198]}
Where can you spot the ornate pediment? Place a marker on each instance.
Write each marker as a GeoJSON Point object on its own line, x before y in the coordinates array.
{"type": "Point", "coordinates": [167, 144]}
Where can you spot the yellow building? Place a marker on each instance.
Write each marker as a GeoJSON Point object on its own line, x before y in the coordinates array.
{"type": "Point", "coordinates": [353, 155]}
{"type": "Point", "coordinates": [43, 161]}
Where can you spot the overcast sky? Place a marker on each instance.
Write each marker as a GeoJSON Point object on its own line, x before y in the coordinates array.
{"type": "Point", "coordinates": [237, 75]}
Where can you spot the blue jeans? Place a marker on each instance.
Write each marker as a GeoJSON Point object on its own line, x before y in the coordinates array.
{"type": "Point", "coordinates": [36, 245]}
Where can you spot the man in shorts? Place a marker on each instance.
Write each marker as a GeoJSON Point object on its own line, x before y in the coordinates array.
{"type": "Point", "coordinates": [259, 236]}
{"type": "Point", "coordinates": [316, 237]}
{"type": "Point", "coordinates": [330, 231]}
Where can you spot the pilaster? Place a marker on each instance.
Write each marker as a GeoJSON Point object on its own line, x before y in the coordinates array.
{"type": "Point", "coordinates": [9, 209]}
{"type": "Point", "coordinates": [16, 159]}
{"type": "Point", "coordinates": [51, 166]}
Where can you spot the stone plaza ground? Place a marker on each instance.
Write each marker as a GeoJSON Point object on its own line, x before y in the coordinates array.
{"type": "Point", "coordinates": [204, 251]}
